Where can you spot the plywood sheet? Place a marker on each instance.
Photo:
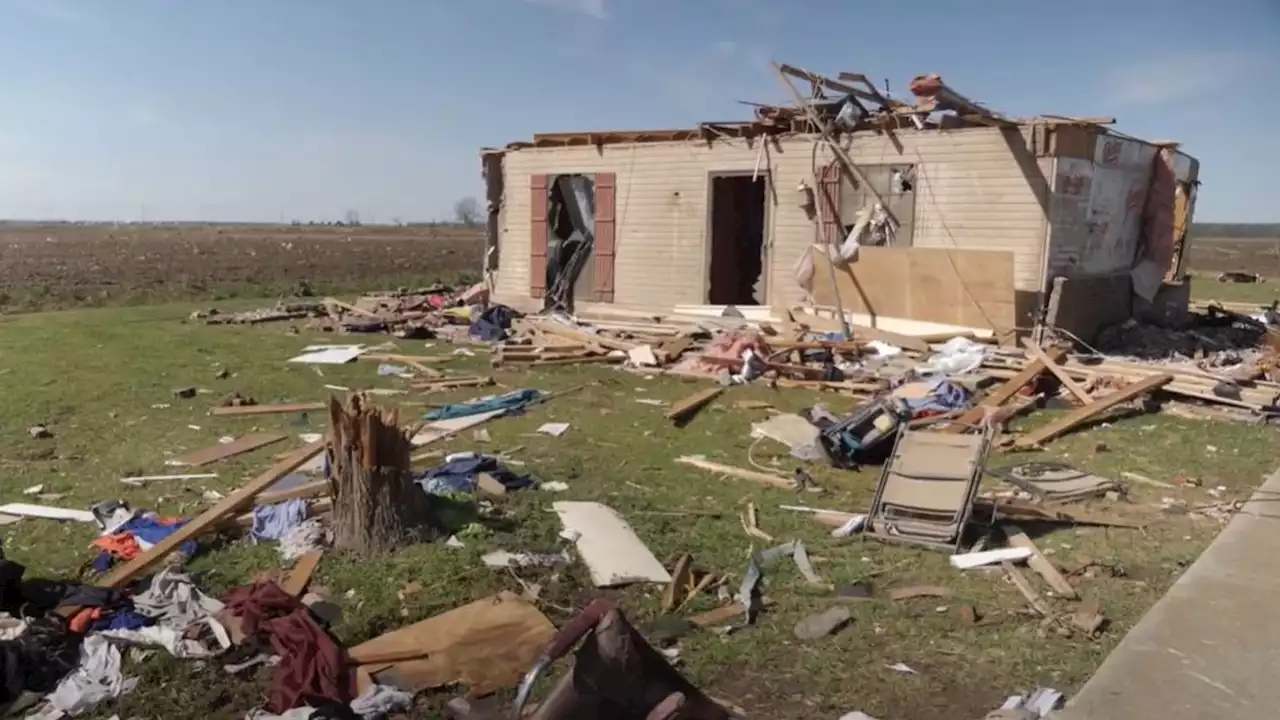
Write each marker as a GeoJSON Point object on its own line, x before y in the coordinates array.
{"type": "Point", "coordinates": [609, 547]}
{"type": "Point", "coordinates": [968, 288]}
{"type": "Point", "coordinates": [486, 645]}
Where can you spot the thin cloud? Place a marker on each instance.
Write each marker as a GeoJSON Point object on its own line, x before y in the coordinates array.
{"type": "Point", "coordinates": [590, 8]}
{"type": "Point", "coordinates": [1164, 80]}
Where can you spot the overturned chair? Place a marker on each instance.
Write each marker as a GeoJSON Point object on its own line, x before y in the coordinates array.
{"type": "Point", "coordinates": [927, 488]}
{"type": "Point", "coordinates": [616, 675]}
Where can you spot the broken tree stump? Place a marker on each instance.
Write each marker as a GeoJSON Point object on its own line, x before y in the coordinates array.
{"type": "Point", "coordinates": [376, 505]}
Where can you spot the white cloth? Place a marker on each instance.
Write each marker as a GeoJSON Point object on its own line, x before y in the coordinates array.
{"type": "Point", "coordinates": [174, 601]}
{"type": "Point", "coordinates": [377, 701]}
{"type": "Point", "coordinates": [303, 538]}
{"type": "Point", "coordinates": [97, 678]}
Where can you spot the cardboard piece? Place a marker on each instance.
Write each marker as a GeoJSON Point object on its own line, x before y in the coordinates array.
{"type": "Point", "coordinates": [486, 645]}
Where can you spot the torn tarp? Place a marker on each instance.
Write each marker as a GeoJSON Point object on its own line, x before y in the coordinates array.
{"type": "Point", "coordinates": [510, 402]}
{"type": "Point", "coordinates": [941, 397]}
{"type": "Point", "coordinates": [749, 592]}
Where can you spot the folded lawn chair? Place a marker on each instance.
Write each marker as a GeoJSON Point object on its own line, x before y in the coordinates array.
{"type": "Point", "coordinates": [927, 488]}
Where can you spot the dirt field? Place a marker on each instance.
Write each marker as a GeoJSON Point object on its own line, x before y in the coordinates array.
{"type": "Point", "coordinates": [63, 265]}
{"type": "Point", "coordinates": [1215, 255]}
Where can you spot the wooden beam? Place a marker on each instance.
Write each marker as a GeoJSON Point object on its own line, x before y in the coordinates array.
{"type": "Point", "coordinates": [815, 78]}
{"type": "Point", "coordinates": [691, 404]}
{"type": "Point", "coordinates": [222, 451]}
{"type": "Point", "coordinates": [236, 501]}
{"type": "Point", "coordinates": [1083, 414]}
{"type": "Point", "coordinates": [243, 410]}
{"type": "Point", "coordinates": [1070, 384]}
{"type": "Point", "coordinates": [300, 576]}
{"type": "Point", "coordinates": [1000, 395]}
{"type": "Point", "coordinates": [841, 155]}
{"type": "Point", "coordinates": [1040, 563]}
{"type": "Point", "coordinates": [583, 336]}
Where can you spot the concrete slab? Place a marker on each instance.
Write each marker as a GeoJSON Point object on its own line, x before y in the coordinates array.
{"type": "Point", "coordinates": [1210, 646]}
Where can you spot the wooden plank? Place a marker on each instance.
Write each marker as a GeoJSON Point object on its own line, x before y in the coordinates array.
{"type": "Point", "coordinates": [1071, 385]}
{"type": "Point", "coordinates": [300, 492]}
{"type": "Point", "coordinates": [300, 576]}
{"type": "Point", "coordinates": [236, 501]}
{"type": "Point", "coordinates": [244, 410]}
{"type": "Point", "coordinates": [997, 397]}
{"type": "Point", "coordinates": [1083, 414]}
{"type": "Point", "coordinates": [1039, 562]}
{"type": "Point", "coordinates": [766, 479]}
{"type": "Point", "coordinates": [584, 337]}
{"type": "Point", "coordinates": [688, 406]}
{"type": "Point", "coordinates": [1025, 587]}
{"type": "Point", "coordinates": [222, 451]}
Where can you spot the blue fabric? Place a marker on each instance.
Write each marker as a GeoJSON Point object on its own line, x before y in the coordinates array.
{"type": "Point", "coordinates": [459, 476]}
{"type": "Point", "coordinates": [123, 620]}
{"type": "Point", "coordinates": [511, 402]}
{"type": "Point", "coordinates": [944, 397]}
{"type": "Point", "coordinates": [148, 529]}
{"type": "Point", "coordinates": [271, 522]}
{"type": "Point", "coordinates": [493, 323]}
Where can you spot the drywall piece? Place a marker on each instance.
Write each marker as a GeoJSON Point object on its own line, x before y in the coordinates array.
{"type": "Point", "coordinates": [444, 428]}
{"type": "Point", "coordinates": [222, 451]}
{"type": "Point", "coordinates": [486, 645]}
{"type": "Point", "coordinates": [329, 354]}
{"type": "Point", "coordinates": [609, 547]}
{"type": "Point", "coordinates": [988, 557]}
{"type": "Point", "coordinates": [46, 512]}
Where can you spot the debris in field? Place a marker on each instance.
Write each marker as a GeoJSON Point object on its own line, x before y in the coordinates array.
{"type": "Point", "coordinates": [749, 592]}
{"type": "Point", "coordinates": [766, 479]}
{"type": "Point", "coordinates": [1088, 619]}
{"type": "Point", "coordinates": [824, 623]}
{"type": "Point", "coordinates": [971, 560]}
{"type": "Point", "coordinates": [1025, 587]}
{"type": "Point", "coordinates": [223, 450]}
{"type": "Point", "coordinates": [98, 678]}
{"type": "Point", "coordinates": [329, 354]}
{"type": "Point", "coordinates": [554, 486]}
{"type": "Point", "coordinates": [684, 410]}
{"type": "Point", "coordinates": [554, 429]}
{"type": "Point", "coordinates": [1039, 563]}
{"type": "Point", "coordinates": [39, 432]}
{"type": "Point", "coordinates": [185, 392]}
{"type": "Point", "coordinates": [486, 645]}
{"type": "Point", "coordinates": [652, 401]}
{"type": "Point", "coordinates": [1143, 479]}
{"type": "Point", "coordinates": [750, 523]}
{"type": "Point", "coordinates": [222, 374]}
{"type": "Point", "coordinates": [802, 437]}
{"type": "Point", "coordinates": [460, 474]}
{"type": "Point", "coordinates": [388, 370]}
{"type": "Point", "coordinates": [143, 479]}
{"type": "Point", "coordinates": [504, 559]}
{"type": "Point", "coordinates": [902, 668]}
{"type": "Point", "coordinates": [33, 490]}
{"type": "Point", "coordinates": [235, 399]}
{"type": "Point", "coordinates": [911, 592]}
{"type": "Point", "coordinates": [1054, 482]}
{"type": "Point", "coordinates": [481, 435]}
{"type": "Point", "coordinates": [608, 546]}
{"type": "Point", "coordinates": [511, 402]}
{"type": "Point", "coordinates": [856, 715]}
{"type": "Point", "coordinates": [1039, 704]}
{"type": "Point", "coordinates": [252, 410]}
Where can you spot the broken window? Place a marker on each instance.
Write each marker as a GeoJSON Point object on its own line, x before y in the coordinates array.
{"type": "Point", "coordinates": [896, 185]}
{"type": "Point", "coordinates": [571, 219]}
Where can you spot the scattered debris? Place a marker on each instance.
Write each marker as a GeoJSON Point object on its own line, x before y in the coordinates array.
{"type": "Point", "coordinates": [612, 552]}
{"type": "Point", "coordinates": [825, 623]}
{"type": "Point", "coordinates": [39, 432]}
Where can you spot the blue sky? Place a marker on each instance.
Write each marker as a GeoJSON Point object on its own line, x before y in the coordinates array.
{"type": "Point", "coordinates": [257, 109]}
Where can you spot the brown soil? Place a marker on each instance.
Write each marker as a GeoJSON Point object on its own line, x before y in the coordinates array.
{"type": "Point", "coordinates": [142, 256]}
{"type": "Point", "coordinates": [1254, 255]}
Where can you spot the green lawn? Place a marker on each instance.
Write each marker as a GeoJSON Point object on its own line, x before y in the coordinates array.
{"type": "Point", "coordinates": [98, 379]}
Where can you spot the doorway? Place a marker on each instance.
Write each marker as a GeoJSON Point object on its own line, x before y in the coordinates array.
{"type": "Point", "coordinates": [736, 268]}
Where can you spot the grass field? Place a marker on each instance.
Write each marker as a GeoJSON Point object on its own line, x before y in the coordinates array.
{"type": "Point", "coordinates": [99, 379]}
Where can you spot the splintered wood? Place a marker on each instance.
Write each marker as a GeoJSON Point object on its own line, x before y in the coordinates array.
{"type": "Point", "coordinates": [376, 505]}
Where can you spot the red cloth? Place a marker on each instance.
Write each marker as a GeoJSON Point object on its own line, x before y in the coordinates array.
{"type": "Point", "coordinates": [312, 669]}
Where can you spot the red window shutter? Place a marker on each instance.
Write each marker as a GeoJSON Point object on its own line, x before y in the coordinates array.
{"type": "Point", "coordinates": [831, 231]}
{"type": "Point", "coordinates": [538, 233]}
{"type": "Point", "coordinates": [606, 235]}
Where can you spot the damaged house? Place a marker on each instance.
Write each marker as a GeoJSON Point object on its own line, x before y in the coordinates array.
{"type": "Point", "coordinates": [934, 216]}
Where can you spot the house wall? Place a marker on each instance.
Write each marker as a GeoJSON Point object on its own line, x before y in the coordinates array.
{"type": "Point", "coordinates": [977, 188]}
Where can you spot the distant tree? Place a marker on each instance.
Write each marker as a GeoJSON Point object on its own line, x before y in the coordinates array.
{"type": "Point", "coordinates": [351, 217]}
{"type": "Point", "coordinates": [467, 211]}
